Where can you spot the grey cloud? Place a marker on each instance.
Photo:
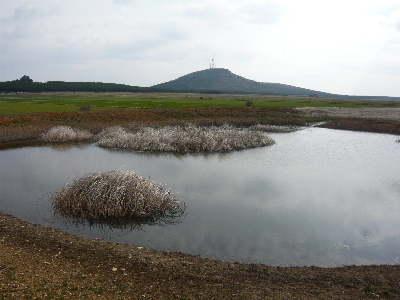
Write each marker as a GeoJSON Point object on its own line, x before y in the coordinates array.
{"type": "Point", "coordinates": [24, 13]}
{"type": "Point", "coordinates": [390, 12]}
{"type": "Point", "coordinates": [393, 20]}
{"type": "Point", "coordinates": [385, 10]}
{"type": "Point", "coordinates": [198, 11]}
{"type": "Point", "coordinates": [264, 13]}
{"type": "Point", "coordinates": [136, 49]}
{"type": "Point", "coordinates": [175, 34]}
{"type": "Point", "coordinates": [27, 22]}
{"type": "Point", "coordinates": [140, 48]}
{"type": "Point", "coordinates": [123, 2]}
{"type": "Point", "coordinates": [205, 14]}
{"type": "Point", "coordinates": [388, 69]}
{"type": "Point", "coordinates": [158, 37]}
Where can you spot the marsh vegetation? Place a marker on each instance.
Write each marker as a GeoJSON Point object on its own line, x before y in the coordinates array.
{"type": "Point", "coordinates": [273, 128]}
{"type": "Point", "coordinates": [183, 139]}
{"type": "Point", "coordinates": [116, 194]}
{"type": "Point", "coordinates": [66, 134]}
{"type": "Point", "coordinates": [176, 139]}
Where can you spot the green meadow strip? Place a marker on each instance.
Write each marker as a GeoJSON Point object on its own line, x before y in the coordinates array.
{"type": "Point", "coordinates": [26, 103]}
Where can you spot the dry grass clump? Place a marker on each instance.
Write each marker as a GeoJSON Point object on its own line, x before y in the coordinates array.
{"type": "Point", "coordinates": [273, 128]}
{"type": "Point", "coordinates": [65, 134]}
{"type": "Point", "coordinates": [116, 194]}
{"type": "Point", "coordinates": [183, 139]}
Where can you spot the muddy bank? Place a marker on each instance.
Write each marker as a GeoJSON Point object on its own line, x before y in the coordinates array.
{"type": "Point", "coordinates": [381, 113]}
{"type": "Point", "coordinates": [379, 120]}
{"type": "Point", "coordinates": [41, 262]}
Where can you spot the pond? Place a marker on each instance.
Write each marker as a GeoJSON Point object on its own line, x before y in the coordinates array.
{"type": "Point", "coordinates": [317, 197]}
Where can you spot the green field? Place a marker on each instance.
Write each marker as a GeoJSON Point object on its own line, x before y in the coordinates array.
{"type": "Point", "coordinates": [55, 102]}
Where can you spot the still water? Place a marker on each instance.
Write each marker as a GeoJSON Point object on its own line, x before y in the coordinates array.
{"type": "Point", "coordinates": [317, 197]}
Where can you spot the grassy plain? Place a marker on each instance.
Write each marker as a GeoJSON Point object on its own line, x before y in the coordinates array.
{"type": "Point", "coordinates": [60, 102]}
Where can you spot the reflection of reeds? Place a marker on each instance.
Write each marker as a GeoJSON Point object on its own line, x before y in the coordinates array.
{"type": "Point", "coordinates": [65, 134]}
{"type": "Point", "coordinates": [126, 225]}
{"type": "Point", "coordinates": [116, 194]}
{"type": "Point", "coordinates": [273, 128]}
{"type": "Point", "coordinates": [60, 147]}
{"type": "Point", "coordinates": [183, 139]}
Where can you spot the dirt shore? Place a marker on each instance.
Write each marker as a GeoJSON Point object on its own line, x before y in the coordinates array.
{"type": "Point", "coordinates": [38, 262]}
{"type": "Point", "coordinates": [384, 113]}
{"type": "Point", "coordinates": [46, 263]}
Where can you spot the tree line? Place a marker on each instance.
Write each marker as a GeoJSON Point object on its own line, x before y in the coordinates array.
{"type": "Point", "coordinates": [27, 85]}
{"type": "Point", "coordinates": [97, 87]}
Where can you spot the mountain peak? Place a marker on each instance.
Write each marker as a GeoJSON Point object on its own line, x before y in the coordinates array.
{"type": "Point", "coordinates": [223, 80]}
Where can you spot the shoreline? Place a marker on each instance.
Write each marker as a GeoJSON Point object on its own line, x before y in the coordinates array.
{"type": "Point", "coordinates": [41, 261]}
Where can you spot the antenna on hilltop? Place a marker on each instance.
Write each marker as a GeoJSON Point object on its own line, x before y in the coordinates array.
{"type": "Point", "coordinates": [212, 64]}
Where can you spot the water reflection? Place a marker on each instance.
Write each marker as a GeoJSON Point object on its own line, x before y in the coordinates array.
{"type": "Point", "coordinates": [287, 204]}
{"type": "Point", "coordinates": [66, 146]}
{"type": "Point", "coordinates": [173, 155]}
{"type": "Point", "coordinates": [123, 224]}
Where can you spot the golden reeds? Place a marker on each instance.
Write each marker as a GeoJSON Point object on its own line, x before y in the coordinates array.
{"type": "Point", "coordinates": [65, 134]}
{"type": "Point", "coordinates": [273, 128]}
{"type": "Point", "coordinates": [116, 194]}
{"type": "Point", "coordinates": [183, 139]}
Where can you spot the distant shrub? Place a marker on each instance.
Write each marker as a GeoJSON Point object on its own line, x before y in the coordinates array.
{"type": "Point", "coordinates": [189, 138]}
{"type": "Point", "coordinates": [116, 194]}
{"type": "Point", "coordinates": [272, 128]}
{"type": "Point", "coordinates": [85, 107]}
{"type": "Point", "coordinates": [249, 103]}
{"type": "Point", "coordinates": [64, 134]}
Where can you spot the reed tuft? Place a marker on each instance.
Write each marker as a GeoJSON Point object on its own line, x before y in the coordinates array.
{"type": "Point", "coordinates": [65, 134]}
{"type": "Point", "coordinates": [273, 128]}
{"type": "Point", "coordinates": [183, 139]}
{"type": "Point", "coordinates": [116, 194]}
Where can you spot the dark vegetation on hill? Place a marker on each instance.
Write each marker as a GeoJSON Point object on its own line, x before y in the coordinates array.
{"type": "Point", "coordinates": [209, 81]}
{"type": "Point", "coordinates": [219, 79]}
{"type": "Point", "coordinates": [224, 80]}
{"type": "Point", "coordinates": [62, 86]}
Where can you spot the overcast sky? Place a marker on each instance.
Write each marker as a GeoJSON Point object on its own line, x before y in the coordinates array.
{"type": "Point", "coordinates": [345, 47]}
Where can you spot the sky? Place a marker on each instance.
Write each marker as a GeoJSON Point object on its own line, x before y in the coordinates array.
{"type": "Point", "coordinates": [347, 47]}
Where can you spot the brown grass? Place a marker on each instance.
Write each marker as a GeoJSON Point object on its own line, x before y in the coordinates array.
{"type": "Point", "coordinates": [116, 194]}
{"type": "Point", "coordinates": [66, 134]}
{"type": "Point", "coordinates": [183, 139]}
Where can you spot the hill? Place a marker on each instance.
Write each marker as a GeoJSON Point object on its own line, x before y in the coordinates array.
{"type": "Point", "coordinates": [212, 81]}
{"type": "Point", "coordinates": [223, 80]}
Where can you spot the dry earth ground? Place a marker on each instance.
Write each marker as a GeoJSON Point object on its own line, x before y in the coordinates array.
{"type": "Point", "coordinates": [45, 263]}
{"type": "Point", "coordinates": [384, 113]}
